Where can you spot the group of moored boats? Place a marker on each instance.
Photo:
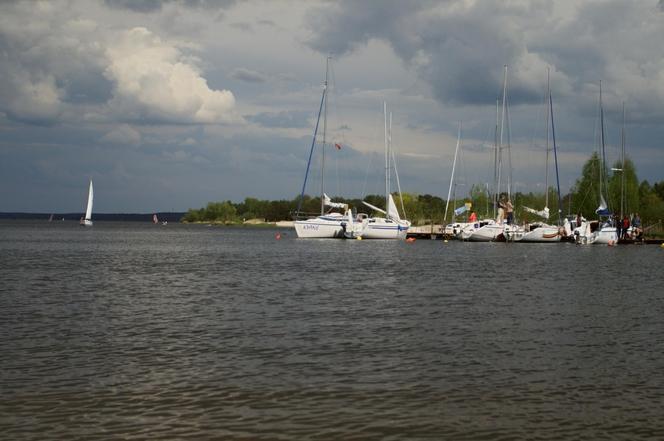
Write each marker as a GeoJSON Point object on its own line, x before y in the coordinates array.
{"type": "Point", "coordinates": [347, 224]}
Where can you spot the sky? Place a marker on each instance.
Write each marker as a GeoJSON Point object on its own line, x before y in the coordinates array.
{"type": "Point", "coordinates": [168, 105]}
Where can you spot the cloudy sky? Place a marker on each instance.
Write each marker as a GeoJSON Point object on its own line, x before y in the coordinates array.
{"type": "Point", "coordinates": [170, 104]}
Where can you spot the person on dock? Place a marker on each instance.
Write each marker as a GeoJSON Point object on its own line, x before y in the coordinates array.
{"type": "Point", "coordinates": [625, 227]}
{"type": "Point", "coordinates": [636, 224]}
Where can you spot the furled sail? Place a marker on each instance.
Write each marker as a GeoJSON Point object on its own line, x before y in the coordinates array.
{"type": "Point", "coordinates": [541, 213]}
{"type": "Point", "coordinates": [602, 210]}
{"type": "Point", "coordinates": [328, 202]}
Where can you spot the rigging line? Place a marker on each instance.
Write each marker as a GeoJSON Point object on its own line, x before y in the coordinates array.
{"type": "Point", "coordinates": [311, 151]}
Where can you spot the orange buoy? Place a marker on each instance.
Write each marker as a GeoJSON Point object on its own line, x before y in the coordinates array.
{"type": "Point", "coordinates": [410, 240]}
{"type": "Point", "coordinates": [277, 236]}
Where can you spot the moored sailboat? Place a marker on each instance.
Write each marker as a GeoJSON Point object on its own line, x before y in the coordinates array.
{"type": "Point", "coordinates": [329, 224]}
{"type": "Point", "coordinates": [391, 226]}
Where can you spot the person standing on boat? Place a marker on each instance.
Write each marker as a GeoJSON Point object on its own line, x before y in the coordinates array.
{"type": "Point", "coordinates": [501, 210]}
{"type": "Point", "coordinates": [472, 217]}
{"type": "Point", "coordinates": [617, 222]}
{"type": "Point", "coordinates": [510, 211]}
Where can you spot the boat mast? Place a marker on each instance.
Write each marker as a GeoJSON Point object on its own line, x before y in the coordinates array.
{"type": "Point", "coordinates": [502, 129]}
{"type": "Point", "coordinates": [622, 183]}
{"type": "Point", "coordinates": [603, 152]}
{"type": "Point", "coordinates": [546, 172]}
{"type": "Point", "coordinates": [555, 157]}
{"type": "Point", "coordinates": [387, 165]}
{"type": "Point", "coordinates": [449, 191]}
{"type": "Point", "coordinates": [322, 162]}
{"type": "Point", "coordinates": [495, 166]}
{"type": "Point", "coordinates": [313, 143]}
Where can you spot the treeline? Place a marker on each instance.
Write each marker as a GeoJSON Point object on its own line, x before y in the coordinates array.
{"type": "Point", "coordinates": [641, 197]}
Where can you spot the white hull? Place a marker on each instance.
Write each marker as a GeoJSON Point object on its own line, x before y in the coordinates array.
{"type": "Point", "coordinates": [86, 223]}
{"type": "Point", "coordinates": [604, 236]}
{"type": "Point", "coordinates": [380, 228]}
{"type": "Point", "coordinates": [542, 233]}
{"type": "Point", "coordinates": [321, 227]}
{"type": "Point", "coordinates": [487, 233]}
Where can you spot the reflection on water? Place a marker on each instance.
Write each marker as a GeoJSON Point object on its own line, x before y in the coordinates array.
{"type": "Point", "coordinates": [166, 332]}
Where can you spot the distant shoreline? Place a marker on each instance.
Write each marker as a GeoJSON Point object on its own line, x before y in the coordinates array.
{"type": "Point", "coordinates": [167, 216]}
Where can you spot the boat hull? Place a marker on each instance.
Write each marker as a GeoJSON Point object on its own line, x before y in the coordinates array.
{"type": "Point", "coordinates": [85, 223]}
{"type": "Point", "coordinates": [487, 233]}
{"type": "Point", "coordinates": [319, 228]}
{"type": "Point", "coordinates": [384, 229]}
{"type": "Point", "coordinates": [542, 234]}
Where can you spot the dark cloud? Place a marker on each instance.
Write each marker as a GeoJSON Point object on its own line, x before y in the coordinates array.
{"type": "Point", "coordinates": [148, 6]}
{"type": "Point", "coordinates": [143, 6]}
{"type": "Point", "coordinates": [242, 26]}
{"type": "Point", "coordinates": [269, 23]}
{"type": "Point", "coordinates": [285, 119]}
{"type": "Point", "coordinates": [247, 75]}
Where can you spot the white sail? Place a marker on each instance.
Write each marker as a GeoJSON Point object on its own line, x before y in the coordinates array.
{"type": "Point", "coordinates": [392, 211]}
{"type": "Point", "coordinates": [328, 203]}
{"type": "Point", "coordinates": [541, 213]}
{"type": "Point", "coordinates": [88, 210]}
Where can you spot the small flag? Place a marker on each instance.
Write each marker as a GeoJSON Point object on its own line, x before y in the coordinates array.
{"type": "Point", "coordinates": [338, 146]}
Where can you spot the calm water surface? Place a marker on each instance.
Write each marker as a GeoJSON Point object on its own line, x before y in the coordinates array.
{"type": "Point", "coordinates": [136, 331]}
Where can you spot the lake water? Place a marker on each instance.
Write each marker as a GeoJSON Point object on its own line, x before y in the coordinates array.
{"type": "Point", "coordinates": [141, 331]}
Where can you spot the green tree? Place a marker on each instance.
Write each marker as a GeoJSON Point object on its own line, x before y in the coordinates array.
{"type": "Point", "coordinates": [587, 196]}
{"type": "Point", "coordinates": [631, 202]}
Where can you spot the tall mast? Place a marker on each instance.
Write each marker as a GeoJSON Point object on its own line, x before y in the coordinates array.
{"type": "Point", "coordinates": [389, 159]}
{"type": "Point", "coordinates": [603, 152]}
{"type": "Point", "coordinates": [311, 150]}
{"type": "Point", "coordinates": [456, 152]}
{"type": "Point", "coordinates": [555, 156]}
{"type": "Point", "coordinates": [322, 162]}
{"type": "Point", "coordinates": [546, 172]}
{"type": "Point", "coordinates": [387, 165]}
{"type": "Point", "coordinates": [622, 183]}
{"type": "Point", "coordinates": [502, 129]}
{"type": "Point", "coordinates": [495, 165]}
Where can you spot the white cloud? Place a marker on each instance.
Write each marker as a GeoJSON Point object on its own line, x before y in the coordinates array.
{"type": "Point", "coordinates": [155, 81]}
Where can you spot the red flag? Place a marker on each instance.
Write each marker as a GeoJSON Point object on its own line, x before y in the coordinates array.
{"type": "Point", "coordinates": [338, 146]}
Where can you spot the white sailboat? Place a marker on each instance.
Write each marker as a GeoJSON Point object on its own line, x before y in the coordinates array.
{"type": "Point", "coordinates": [491, 230]}
{"type": "Point", "coordinates": [87, 220]}
{"type": "Point", "coordinates": [600, 232]}
{"type": "Point", "coordinates": [543, 231]}
{"type": "Point", "coordinates": [329, 224]}
{"type": "Point", "coordinates": [391, 226]}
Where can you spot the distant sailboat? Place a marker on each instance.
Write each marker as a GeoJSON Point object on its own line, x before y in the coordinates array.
{"type": "Point", "coordinates": [50, 219]}
{"type": "Point", "coordinates": [87, 220]}
{"type": "Point", "coordinates": [155, 219]}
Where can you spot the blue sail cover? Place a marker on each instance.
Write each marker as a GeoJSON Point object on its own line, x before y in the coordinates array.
{"type": "Point", "coordinates": [603, 212]}
{"type": "Point", "coordinates": [462, 209]}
